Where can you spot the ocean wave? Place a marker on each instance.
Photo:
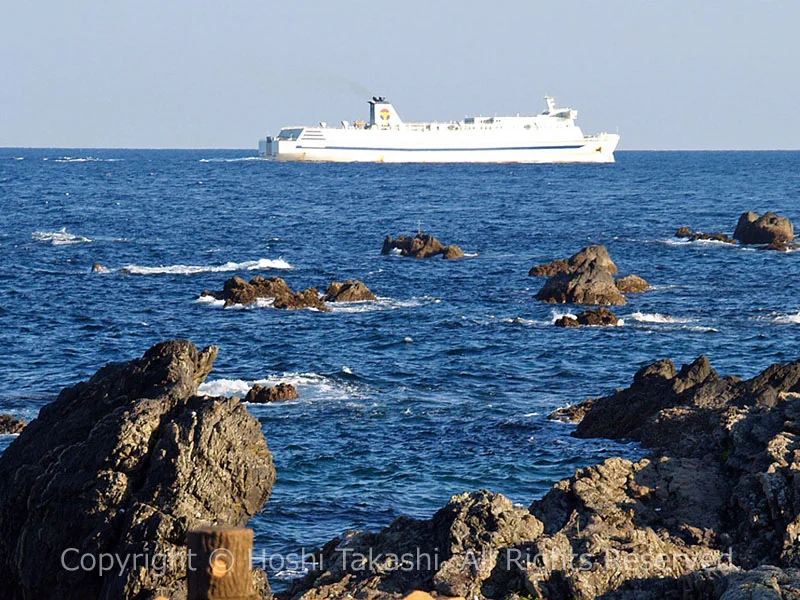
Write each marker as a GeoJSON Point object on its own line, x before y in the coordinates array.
{"type": "Point", "coordinates": [230, 160]}
{"type": "Point", "coordinates": [82, 159]}
{"type": "Point", "coordinates": [59, 238]}
{"type": "Point", "coordinates": [310, 386]}
{"type": "Point", "coordinates": [787, 319]}
{"type": "Point", "coordinates": [641, 317]}
{"type": "Point", "coordinates": [249, 265]}
{"type": "Point", "coordinates": [382, 303]}
{"type": "Point", "coordinates": [688, 242]}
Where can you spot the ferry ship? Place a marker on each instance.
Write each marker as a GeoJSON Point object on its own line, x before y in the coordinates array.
{"type": "Point", "coordinates": [549, 137]}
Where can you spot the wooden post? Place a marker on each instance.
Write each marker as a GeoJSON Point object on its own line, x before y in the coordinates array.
{"type": "Point", "coordinates": [220, 564]}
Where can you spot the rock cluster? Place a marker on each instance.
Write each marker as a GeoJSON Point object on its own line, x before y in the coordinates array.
{"type": "Point", "coordinates": [238, 291]}
{"type": "Point", "coordinates": [9, 424]}
{"type": "Point", "coordinates": [693, 236]}
{"type": "Point", "coordinates": [123, 465]}
{"type": "Point", "coordinates": [712, 512]}
{"type": "Point", "coordinates": [351, 290]}
{"type": "Point", "coordinates": [592, 316]}
{"type": "Point", "coordinates": [771, 231]}
{"type": "Point", "coordinates": [422, 245]}
{"type": "Point", "coordinates": [260, 394]}
{"type": "Point", "coordinates": [585, 278]}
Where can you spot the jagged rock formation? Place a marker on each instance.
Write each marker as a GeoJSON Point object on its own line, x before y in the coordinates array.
{"type": "Point", "coordinates": [260, 394]}
{"type": "Point", "coordinates": [712, 512]}
{"type": "Point", "coordinates": [238, 291]}
{"type": "Point", "coordinates": [9, 424]}
{"type": "Point", "coordinates": [124, 464]}
{"type": "Point", "coordinates": [587, 277]}
{"type": "Point", "coordinates": [351, 290]}
{"type": "Point", "coordinates": [422, 245]}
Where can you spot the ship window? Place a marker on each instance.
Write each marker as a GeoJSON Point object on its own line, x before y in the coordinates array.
{"type": "Point", "coordinates": [289, 134]}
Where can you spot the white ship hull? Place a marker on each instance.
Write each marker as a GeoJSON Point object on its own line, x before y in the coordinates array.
{"type": "Point", "coordinates": [551, 137]}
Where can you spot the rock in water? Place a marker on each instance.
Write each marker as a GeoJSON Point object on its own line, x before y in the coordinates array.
{"type": "Point", "coordinates": [422, 245]}
{"type": "Point", "coordinates": [351, 290]}
{"type": "Point", "coordinates": [260, 394]}
{"type": "Point", "coordinates": [765, 229]}
{"type": "Point", "coordinates": [9, 424]}
{"type": "Point", "coordinates": [238, 291]}
{"type": "Point", "coordinates": [98, 268]}
{"type": "Point", "coordinates": [125, 463]}
{"type": "Point", "coordinates": [632, 284]}
{"type": "Point", "coordinates": [453, 252]}
{"type": "Point", "coordinates": [591, 254]}
{"type": "Point", "coordinates": [683, 232]}
{"type": "Point", "coordinates": [593, 316]}
{"type": "Point", "coordinates": [591, 284]}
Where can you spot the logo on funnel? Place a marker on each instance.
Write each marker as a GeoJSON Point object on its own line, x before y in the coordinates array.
{"type": "Point", "coordinates": [384, 114]}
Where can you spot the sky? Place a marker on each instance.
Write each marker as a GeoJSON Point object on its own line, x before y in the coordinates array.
{"type": "Point", "coordinates": [677, 74]}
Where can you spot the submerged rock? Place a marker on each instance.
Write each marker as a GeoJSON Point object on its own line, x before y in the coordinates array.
{"type": "Point", "coordinates": [9, 424]}
{"type": "Point", "coordinates": [768, 228]}
{"type": "Point", "coordinates": [351, 290]}
{"type": "Point", "coordinates": [239, 291]}
{"type": "Point", "coordinates": [260, 394]}
{"type": "Point", "coordinates": [125, 464]}
{"type": "Point", "coordinates": [632, 284]}
{"type": "Point", "coordinates": [422, 245]}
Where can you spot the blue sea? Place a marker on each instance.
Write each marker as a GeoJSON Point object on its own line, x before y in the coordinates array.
{"type": "Point", "coordinates": [441, 386]}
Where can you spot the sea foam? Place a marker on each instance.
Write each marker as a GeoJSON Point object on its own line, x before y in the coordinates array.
{"type": "Point", "coordinates": [310, 386]}
{"type": "Point", "coordinates": [787, 319]}
{"type": "Point", "coordinates": [249, 265]}
{"type": "Point", "coordinates": [59, 238]}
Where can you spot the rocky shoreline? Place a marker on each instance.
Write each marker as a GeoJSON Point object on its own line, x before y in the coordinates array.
{"type": "Point", "coordinates": [131, 459]}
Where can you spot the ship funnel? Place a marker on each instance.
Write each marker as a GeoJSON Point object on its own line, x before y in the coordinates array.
{"type": "Point", "coordinates": [382, 114]}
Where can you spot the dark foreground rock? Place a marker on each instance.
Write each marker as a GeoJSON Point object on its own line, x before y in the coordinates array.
{"type": "Point", "coordinates": [9, 424]}
{"type": "Point", "coordinates": [421, 245]}
{"type": "Point", "coordinates": [260, 394]}
{"type": "Point", "coordinates": [712, 512]}
{"type": "Point", "coordinates": [239, 291]}
{"type": "Point", "coordinates": [768, 228]}
{"type": "Point", "coordinates": [351, 290]}
{"type": "Point", "coordinates": [123, 465]}
{"type": "Point", "coordinates": [594, 316]}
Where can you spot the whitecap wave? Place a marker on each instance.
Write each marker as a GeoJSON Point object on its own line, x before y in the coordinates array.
{"type": "Point", "coordinates": [249, 265]}
{"type": "Point", "coordinates": [59, 238]}
{"type": "Point", "coordinates": [787, 319]}
{"type": "Point", "coordinates": [688, 242]}
{"type": "Point", "coordinates": [382, 303]}
{"type": "Point", "coordinates": [83, 159]}
{"type": "Point", "coordinates": [641, 317]}
{"type": "Point", "coordinates": [310, 386]}
{"type": "Point", "coordinates": [230, 160]}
